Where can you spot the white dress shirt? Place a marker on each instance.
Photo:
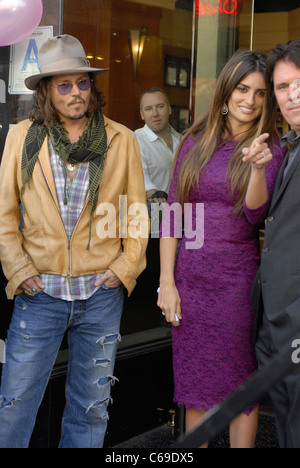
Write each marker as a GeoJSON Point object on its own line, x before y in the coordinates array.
{"type": "Point", "coordinates": [157, 158]}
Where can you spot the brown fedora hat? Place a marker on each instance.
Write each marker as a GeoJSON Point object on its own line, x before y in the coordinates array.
{"type": "Point", "coordinates": [61, 55]}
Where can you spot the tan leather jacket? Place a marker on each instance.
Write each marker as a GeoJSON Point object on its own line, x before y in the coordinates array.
{"type": "Point", "coordinates": [42, 246]}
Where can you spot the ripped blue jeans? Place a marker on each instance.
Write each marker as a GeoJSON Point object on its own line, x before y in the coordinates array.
{"type": "Point", "coordinates": [34, 338]}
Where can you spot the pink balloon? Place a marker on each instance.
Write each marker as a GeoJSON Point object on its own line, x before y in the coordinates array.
{"type": "Point", "coordinates": [18, 19]}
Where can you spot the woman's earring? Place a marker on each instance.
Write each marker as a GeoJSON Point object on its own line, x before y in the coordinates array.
{"type": "Point", "coordinates": [225, 109]}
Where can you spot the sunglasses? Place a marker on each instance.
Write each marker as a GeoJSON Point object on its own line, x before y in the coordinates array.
{"type": "Point", "coordinates": [65, 88]}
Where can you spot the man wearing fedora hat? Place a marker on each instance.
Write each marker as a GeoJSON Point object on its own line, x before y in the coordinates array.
{"type": "Point", "coordinates": [65, 167]}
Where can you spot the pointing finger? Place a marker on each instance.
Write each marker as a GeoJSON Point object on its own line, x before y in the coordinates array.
{"type": "Point", "coordinates": [261, 139]}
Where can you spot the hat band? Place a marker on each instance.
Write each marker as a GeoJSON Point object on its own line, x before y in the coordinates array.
{"type": "Point", "coordinates": [65, 64]}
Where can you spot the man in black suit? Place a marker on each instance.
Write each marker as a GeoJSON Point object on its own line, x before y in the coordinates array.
{"type": "Point", "coordinates": [276, 291]}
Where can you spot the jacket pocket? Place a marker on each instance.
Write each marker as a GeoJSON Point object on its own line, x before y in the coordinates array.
{"type": "Point", "coordinates": [35, 245]}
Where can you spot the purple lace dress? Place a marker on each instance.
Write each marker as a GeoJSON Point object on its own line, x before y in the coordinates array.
{"type": "Point", "coordinates": [213, 348]}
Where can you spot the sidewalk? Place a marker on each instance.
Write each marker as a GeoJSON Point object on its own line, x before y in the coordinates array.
{"type": "Point", "coordinates": [163, 437]}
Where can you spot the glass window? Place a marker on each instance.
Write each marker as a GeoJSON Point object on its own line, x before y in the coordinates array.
{"type": "Point", "coordinates": [14, 107]}
{"type": "Point", "coordinates": [222, 27]}
{"type": "Point", "coordinates": [177, 45]}
{"type": "Point", "coordinates": [143, 44]}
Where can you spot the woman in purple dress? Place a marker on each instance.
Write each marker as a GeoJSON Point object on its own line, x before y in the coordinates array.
{"type": "Point", "coordinates": [227, 164]}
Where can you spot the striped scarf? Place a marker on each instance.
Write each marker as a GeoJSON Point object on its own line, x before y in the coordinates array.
{"type": "Point", "coordinates": [91, 147]}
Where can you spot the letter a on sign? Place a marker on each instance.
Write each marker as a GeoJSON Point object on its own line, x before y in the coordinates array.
{"type": "Point", "coordinates": [31, 56]}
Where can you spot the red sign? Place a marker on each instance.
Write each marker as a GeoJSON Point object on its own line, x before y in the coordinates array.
{"type": "Point", "coordinates": [225, 7]}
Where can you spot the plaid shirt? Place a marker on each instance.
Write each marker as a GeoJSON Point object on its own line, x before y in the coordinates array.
{"type": "Point", "coordinates": [70, 288]}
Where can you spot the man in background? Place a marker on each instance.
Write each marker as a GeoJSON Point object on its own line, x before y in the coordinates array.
{"type": "Point", "coordinates": [158, 142]}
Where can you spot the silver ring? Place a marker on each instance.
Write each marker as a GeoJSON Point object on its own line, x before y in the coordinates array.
{"type": "Point", "coordinates": [263, 155]}
{"type": "Point", "coordinates": [34, 290]}
{"type": "Point", "coordinates": [27, 292]}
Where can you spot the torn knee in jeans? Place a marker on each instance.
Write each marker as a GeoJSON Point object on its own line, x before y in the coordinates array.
{"type": "Point", "coordinates": [109, 339]}
{"type": "Point", "coordinates": [100, 408]}
{"type": "Point", "coordinates": [101, 362]}
{"type": "Point", "coordinates": [7, 402]}
{"type": "Point", "coordinates": [103, 381]}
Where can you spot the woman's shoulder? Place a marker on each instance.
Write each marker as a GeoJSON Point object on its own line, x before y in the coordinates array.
{"type": "Point", "coordinates": [188, 143]}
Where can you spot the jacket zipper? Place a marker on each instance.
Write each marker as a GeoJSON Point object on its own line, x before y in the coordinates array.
{"type": "Point", "coordinates": [85, 205]}
{"type": "Point", "coordinates": [58, 211]}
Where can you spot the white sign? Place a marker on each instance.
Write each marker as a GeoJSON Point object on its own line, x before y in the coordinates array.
{"type": "Point", "coordinates": [24, 59]}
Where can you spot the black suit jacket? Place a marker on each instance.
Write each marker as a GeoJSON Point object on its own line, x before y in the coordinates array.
{"type": "Point", "coordinates": [276, 290]}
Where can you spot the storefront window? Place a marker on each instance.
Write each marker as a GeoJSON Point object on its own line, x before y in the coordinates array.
{"type": "Point", "coordinates": [14, 104]}
{"type": "Point", "coordinates": [222, 27]}
{"type": "Point", "coordinates": [177, 45]}
{"type": "Point", "coordinates": [144, 43]}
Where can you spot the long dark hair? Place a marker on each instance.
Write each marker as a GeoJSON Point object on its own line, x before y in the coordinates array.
{"type": "Point", "coordinates": [43, 111]}
{"type": "Point", "coordinates": [212, 125]}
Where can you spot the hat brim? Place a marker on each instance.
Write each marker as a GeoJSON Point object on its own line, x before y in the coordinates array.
{"type": "Point", "coordinates": [31, 82]}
